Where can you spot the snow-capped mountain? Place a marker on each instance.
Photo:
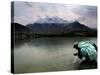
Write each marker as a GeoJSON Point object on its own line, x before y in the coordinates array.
{"type": "Point", "coordinates": [56, 25]}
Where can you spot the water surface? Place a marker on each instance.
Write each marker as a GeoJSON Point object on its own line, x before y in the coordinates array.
{"type": "Point", "coordinates": [46, 54]}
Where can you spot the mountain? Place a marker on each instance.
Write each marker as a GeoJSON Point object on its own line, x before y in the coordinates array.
{"type": "Point", "coordinates": [56, 28]}
{"type": "Point", "coordinates": [56, 25]}
{"type": "Point", "coordinates": [19, 31]}
{"type": "Point", "coordinates": [75, 28]}
{"type": "Point", "coordinates": [50, 26]}
{"type": "Point", "coordinates": [16, 27]}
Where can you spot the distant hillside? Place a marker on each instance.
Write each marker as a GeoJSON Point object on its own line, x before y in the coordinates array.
{"type": "Point", "coordinates": [16, 27]}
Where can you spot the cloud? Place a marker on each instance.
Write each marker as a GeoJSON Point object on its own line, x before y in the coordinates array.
{"type": "Point", "coordinates": [29, 12]}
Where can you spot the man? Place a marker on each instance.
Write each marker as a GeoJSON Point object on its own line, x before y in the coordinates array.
{"type": "Point", "coordinates": [87, 50]}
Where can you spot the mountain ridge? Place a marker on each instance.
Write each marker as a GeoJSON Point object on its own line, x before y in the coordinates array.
{"type": "Point", "coordinates": [73, 28]}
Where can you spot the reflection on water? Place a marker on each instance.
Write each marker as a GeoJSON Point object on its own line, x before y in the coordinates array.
{"type": "Point", "coordinates": [46, 54]}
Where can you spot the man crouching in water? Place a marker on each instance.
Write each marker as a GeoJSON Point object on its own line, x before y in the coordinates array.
{"type": "Point", "coordinates": [87, 50]}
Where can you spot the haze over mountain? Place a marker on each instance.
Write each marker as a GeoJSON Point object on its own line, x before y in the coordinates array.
{"type": "Point", "coordinates": [54, 19]}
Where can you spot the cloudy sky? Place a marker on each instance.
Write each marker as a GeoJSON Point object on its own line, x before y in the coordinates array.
{"type": "Point", "coordinates": [30, 12]}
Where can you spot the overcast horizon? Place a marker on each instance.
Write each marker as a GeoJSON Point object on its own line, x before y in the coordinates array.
{"type": "Point", "coordinates": [29, 12]}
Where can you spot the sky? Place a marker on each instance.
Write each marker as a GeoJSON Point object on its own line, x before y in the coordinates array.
{"type": "Point", "coordinates": [29, 12]}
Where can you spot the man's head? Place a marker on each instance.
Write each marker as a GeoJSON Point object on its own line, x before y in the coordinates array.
{"type": "Point", "coordinates": [76, 46]}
